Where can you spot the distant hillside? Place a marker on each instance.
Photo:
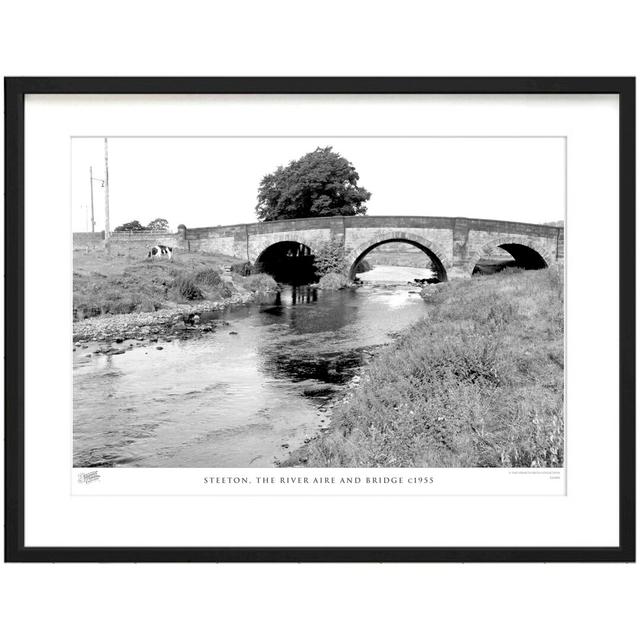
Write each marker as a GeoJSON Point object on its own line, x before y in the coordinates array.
{"type": "Point", "coordinates": [398, 254]}
{"type": "Point", "coordinates": [401, 254]}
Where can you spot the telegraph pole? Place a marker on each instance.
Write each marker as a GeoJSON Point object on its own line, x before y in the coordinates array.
{"type": "Point", "coordinates": [107, 232]}
{"type": "Point", "coordinates": [93, 222]}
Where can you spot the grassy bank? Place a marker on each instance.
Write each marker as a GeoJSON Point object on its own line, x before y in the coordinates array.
{"type": "Point", "coordinates": [122, 284]}
{"type": "Point", "coordinates": [478, 383]}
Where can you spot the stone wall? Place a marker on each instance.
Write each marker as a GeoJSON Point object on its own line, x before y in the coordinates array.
{"type": "Point", "coordinates": [139, 242]}
{"type": "Point", "coordinates": [456, 242]}
{"type": "Point", "coordinates": [482, 244]}
{"type": "Point", "coordinates": [438, 241]}
{"type": "Point", "coordinates": [248, 241]}
{"type": "Point", "coordinates": [129, 242]}
{"type": "Point", "coordinates": [560, 244]}
{"type": "Point", "coordinates": [311, 238]}
{"type": "Point", "coordinates": [228, 240]}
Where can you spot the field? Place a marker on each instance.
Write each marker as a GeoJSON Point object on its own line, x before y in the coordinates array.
{"type": "Point", "coordinates": [478, 383]}
{"type": "Point", "coordinates": [116, 284]}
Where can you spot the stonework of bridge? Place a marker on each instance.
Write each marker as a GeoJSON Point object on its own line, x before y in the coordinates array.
{"type": "Point", "coordinates": [455, 245]}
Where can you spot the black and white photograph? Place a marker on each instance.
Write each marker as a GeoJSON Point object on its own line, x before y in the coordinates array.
{"type": "Point", "coordinates": [320, 320]}
{"type": "Point", "coordinates": [318, 301]}
{"type": "Point", "coordinates": [386, 317]}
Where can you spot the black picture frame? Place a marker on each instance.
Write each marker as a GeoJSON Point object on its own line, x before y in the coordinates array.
{"type": "Point", "coordinates": [15, 91]}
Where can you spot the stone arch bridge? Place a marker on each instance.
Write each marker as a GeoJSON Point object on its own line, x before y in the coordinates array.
{"type": "Point", "coordinates": [455, 245]}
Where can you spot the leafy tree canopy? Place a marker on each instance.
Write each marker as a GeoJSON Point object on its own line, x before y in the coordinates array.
{"type": "Point", "coordinates": [159, 224]}
{"type": "Point", "coordinates": [134, 225]}
{"type": "Point", "coordinates": [320, 184]}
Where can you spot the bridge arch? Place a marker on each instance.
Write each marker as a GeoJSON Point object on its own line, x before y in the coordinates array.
{"type": "Point", "coordinates": [435, 253]}
{"type": "Point", "coordinates": [288, 260]}
{"type": "Point", "coordinates": [259, 243]}
{"type": "Point", "coordinates": [527, 253]}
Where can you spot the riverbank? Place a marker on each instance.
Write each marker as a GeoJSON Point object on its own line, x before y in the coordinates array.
{"type": "Point", "coordinates": [118, 298]}
{"type": "Point", "coordinates": [478, 383]}
{"type": "Point", "coordinates": [181, 318]}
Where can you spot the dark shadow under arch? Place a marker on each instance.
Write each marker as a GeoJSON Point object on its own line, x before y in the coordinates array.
{"type": "Point", "coordinates": [522, 257]}
{"type": "Point", "coordinates": [438, 267]}
{"type": "Point", "coordinates": [288, 262]}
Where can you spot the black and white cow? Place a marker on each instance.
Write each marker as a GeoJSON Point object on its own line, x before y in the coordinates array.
{"type": "Point", "coordinates": [161, 251]}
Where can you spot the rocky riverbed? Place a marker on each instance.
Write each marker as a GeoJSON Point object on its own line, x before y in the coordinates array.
{"type": "Point", "coordinates": [125, 330]}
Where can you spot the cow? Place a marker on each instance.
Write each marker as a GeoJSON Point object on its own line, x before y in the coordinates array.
{"type": "Point", "coordinates": [161, 251]}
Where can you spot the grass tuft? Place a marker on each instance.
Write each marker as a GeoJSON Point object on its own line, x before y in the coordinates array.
{"type": "Point", "coordinates": [261, 282]}
{"type": "Point", "coordinates": [208, 277]}
{"type": "Point", "coordinates": [186, 288]}
{"type": "Point", "coordinates": [109, 284]}
{"type": "Point", "coordinates": [333, 281]}
{"type": "Point", "coordinates": [478, 383]}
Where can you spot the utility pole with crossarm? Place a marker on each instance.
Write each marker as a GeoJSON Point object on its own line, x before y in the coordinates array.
{"type": "Point", "coordinates": [107, 232]}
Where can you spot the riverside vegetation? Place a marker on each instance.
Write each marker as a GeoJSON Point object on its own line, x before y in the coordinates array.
{"type": "Point", "coordinates": [479, 382]}
{"type": "Point", "coordinates": [104, 284]}
{"type": "Point", "coordinates": [125, 298]}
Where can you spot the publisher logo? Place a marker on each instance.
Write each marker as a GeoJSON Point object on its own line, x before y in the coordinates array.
{"type": "Point", "coordinates": [88, 477]}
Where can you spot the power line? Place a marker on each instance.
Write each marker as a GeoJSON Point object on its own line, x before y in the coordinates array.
{"type": "Point", "coordinates": [91, 181]}
{"type": "Point", "coordinates": [107, 232]}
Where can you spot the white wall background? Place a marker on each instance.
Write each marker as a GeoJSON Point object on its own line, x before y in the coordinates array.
{"type": "Point", "coordinates": [291, 38]}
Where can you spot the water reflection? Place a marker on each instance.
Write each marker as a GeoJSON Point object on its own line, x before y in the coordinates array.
{"type": "Point", "coordinates": [233, 397]}
{"type": "Point", "coordinates": [301, 295]}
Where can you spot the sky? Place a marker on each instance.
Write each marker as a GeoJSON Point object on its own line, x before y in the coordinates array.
{"type": "Point", "coordinates": [208, 181]}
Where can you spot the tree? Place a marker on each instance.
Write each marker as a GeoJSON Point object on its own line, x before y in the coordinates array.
{"type": "Point", "coordinates": [320, 184]}
{"type": "Point", "coordinates": [329, 257]}
{"type": "Point", "coordinates": [159, 224]}
{"type": "Point", "coordinates": [134, 225]}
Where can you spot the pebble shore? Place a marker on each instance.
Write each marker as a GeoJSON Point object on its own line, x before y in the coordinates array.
{"type": "Point", "coordinates": [182, 318]}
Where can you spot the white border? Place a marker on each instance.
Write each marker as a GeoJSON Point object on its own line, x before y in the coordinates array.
{"type": "Point", "coordinates": [53, 517]}
{"type": "Point", "coordinates": [318, 482]}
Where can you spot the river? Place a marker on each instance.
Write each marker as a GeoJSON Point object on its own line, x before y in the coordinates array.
{"type": "Point", "coordinates": [242, 396]}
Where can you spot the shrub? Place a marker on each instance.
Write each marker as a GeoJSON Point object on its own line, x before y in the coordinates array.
{"type": "Point", "coordinates": [208, 278]}
{"type": "Point", "coordinates": [479, 383]}
{"type": "Point", "coordinates": [539, 442]}
{"type": "Point", "coordinates": [107, 284]}
{"type": "Point", "coordinates": [329, 258]}
{"type": "Point", "coordinates": [333, 281]}
{"type": "Point", "coordinates": [260, 282]}
{"type": "Point", "coordinates": [123, 293]}
{"type": "Point", "coordinates": [187, 288]}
